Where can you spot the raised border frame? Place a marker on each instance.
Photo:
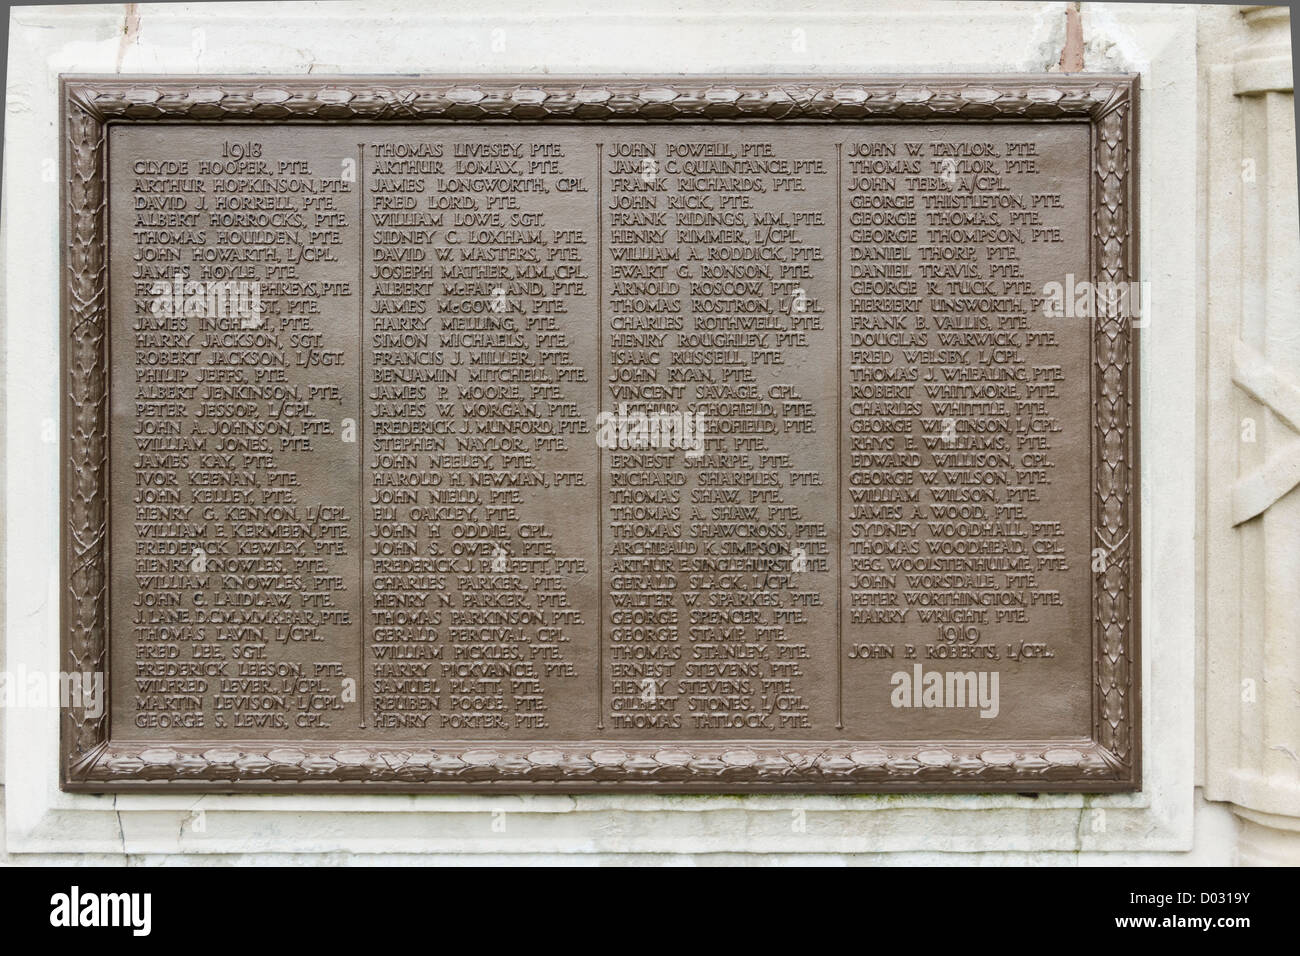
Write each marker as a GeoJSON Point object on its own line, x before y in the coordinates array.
{"type": "Point", "coordinates": [1108, 761]}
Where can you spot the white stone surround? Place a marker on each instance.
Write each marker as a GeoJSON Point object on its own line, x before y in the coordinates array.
{"type": "Point", "coordinates": [1166, 823]}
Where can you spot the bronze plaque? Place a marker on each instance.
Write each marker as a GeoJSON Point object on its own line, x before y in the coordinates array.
{"type": "Point", "coordinates": [686, 435]}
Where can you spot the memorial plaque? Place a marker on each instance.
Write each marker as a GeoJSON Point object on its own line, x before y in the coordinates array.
{"type": "Point", "coordinates": [686, 435]}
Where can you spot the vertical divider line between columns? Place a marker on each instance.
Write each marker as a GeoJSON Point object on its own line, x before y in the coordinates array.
{"type": "Point", "coordinates": [361, 414]}
{"type": "Point", "coordinates": [600, 462]}
{"type": "Point", "coordinates": [839, 435]}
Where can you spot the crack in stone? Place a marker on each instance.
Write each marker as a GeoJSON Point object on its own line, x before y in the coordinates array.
{"type": "Point", "coordinates": [130, 32]}
{"type": "Point", "coordinates": [121, 831]}
{"type": "Point", "coordinates": [1072, 52]}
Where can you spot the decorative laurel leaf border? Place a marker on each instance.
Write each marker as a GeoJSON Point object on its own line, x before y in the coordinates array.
{"type": "Point", "coordinates": [1109, 761]}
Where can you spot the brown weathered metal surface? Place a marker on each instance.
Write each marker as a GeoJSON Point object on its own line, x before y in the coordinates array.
{"type": "Point", "coordinates": [703, 436]}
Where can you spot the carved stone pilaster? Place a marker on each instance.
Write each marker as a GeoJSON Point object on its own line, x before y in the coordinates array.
{"type": "Point", "coordinates": [1264, 64]}
{"type": "Point", "coordinates": [1252, 511]}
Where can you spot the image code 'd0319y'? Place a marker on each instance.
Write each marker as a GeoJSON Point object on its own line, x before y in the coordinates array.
{"type": "Point", "coordinates": [696, 436]}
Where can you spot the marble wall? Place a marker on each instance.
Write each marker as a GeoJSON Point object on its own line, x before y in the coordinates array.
{"type": "Point", "coordinates": [1221, 525]}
